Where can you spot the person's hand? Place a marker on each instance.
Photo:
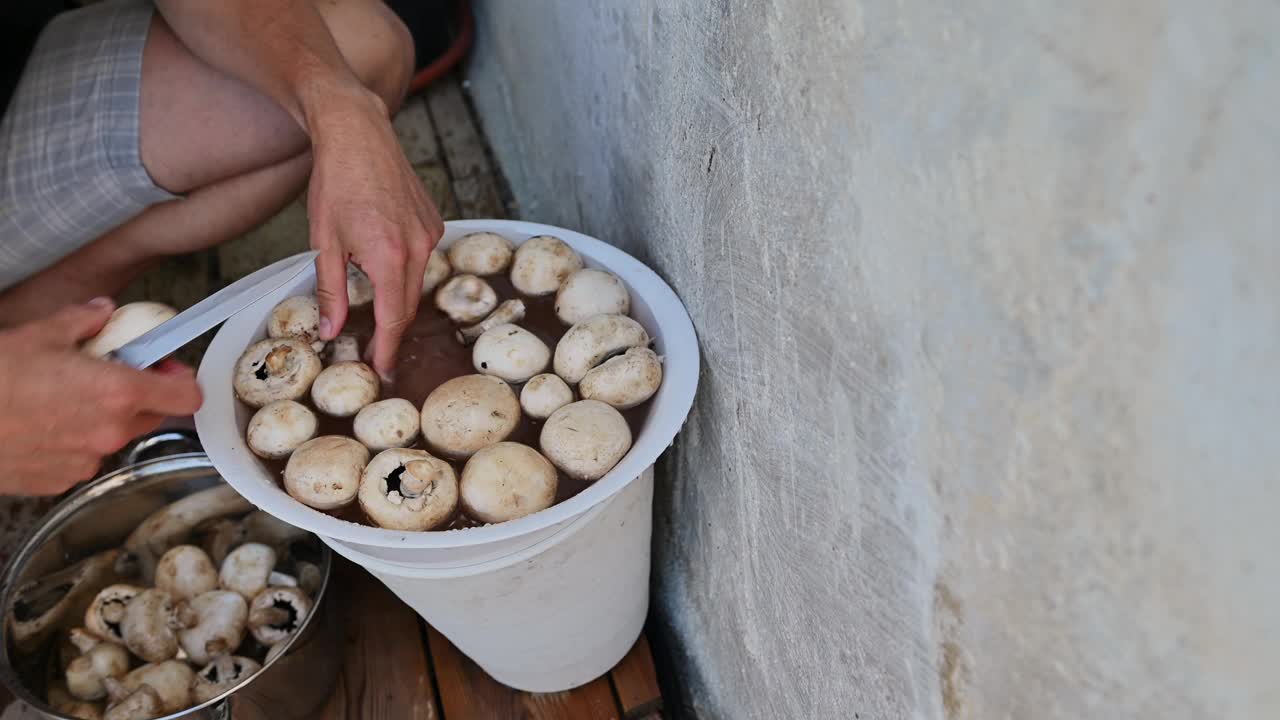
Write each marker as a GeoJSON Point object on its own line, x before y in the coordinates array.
{"type": "Point", "coordinates": [62, 411]}
{"type": "Point", "coordinates": [367, 205]}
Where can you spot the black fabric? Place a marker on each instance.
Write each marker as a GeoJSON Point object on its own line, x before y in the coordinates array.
{"type": "Point", "coordinates": [20, 24]}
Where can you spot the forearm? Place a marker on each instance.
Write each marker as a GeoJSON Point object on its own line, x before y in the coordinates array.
{"type": "Point", "coordinates": [281, 47]}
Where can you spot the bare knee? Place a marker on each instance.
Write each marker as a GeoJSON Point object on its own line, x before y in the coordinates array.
{"type": "Point", "coordinates": [375, 43]}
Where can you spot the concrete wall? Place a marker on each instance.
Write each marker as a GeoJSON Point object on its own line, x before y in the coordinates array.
{"type": "Point", "coordinates": [989, 296]}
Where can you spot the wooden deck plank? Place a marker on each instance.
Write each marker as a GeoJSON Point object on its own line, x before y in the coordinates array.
{"type": "Point", "coordinates": [474, 181]}
{"type": "Point", "coordinates": [384, 667]}
{"type": "Point", "coordinates": [468, 693]}
{"type": "Point", "coordinates": [636, 682]}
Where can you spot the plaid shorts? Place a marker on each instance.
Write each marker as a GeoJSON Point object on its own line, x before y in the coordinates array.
{"type": "Point", "coordinates": [70, 164]}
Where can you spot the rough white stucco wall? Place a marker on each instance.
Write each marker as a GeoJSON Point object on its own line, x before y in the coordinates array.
{"type": "Point", "coordinates": [988, 296]}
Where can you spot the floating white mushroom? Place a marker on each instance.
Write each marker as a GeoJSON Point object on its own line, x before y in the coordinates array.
{"type": "Point", "coordinates": [542, 264]}
{"type": "Point", "coordinates": [344, 348]}
{"type": "Point", "coordinates": [324, 473]}
{"type": "Point", "coordinates": [150, 625]}
{"type": "Point", "coordinates": [592, 341]}
{"type": "Point", "coordinates": [590, 292]}
{"type": "Point", "coordinates": [624, 381]}
{"type": "Point", "coordinates": [510, 352]}
{"type": "Point", "coordinates": [341, 389]}
{"type": "Point", "coordinates": [468, 413]}
{"type": "Point", "coordinates": [390, 423]}
{"type": "Point", "coordinates": [466, 299]}
{"type": "Point", "coordinates": [186, 571]}
{"type": "Point", "coordinates": [170, 680]}
{"type": "Point", "coordinates": [128, 323]}
{"type": "Point", "coordinates": [297, 317]}
{"type": "Point", "coordinates": [437, 270]}
{"type": "Point", "coordinates": [278, 428]}
{"type": "Point", "coordinates": [543, 395]}
{"type": "Point", "coordinates": [247, 569]}
{"type": "Point", "coordinates": [408, 490]}
{"type": "Point", "coordinates": [585, 439]}
{"type": "Point", "coordinates": [481, 253]}
{"type": "Point", "coordinates": [275, 369]}
{"type": "Point", "coordinates": [510, 311]}
{"type": "Point", "coordinates": [216, 621]}
{"type": "Point", "coordinates": [507, 481]}
{"type": "Point", "coordinates": [220, 675]}
{"type": "Point", "coordinates": [98, 660]}
{"type": "Point", "coordinates": [276, 613]}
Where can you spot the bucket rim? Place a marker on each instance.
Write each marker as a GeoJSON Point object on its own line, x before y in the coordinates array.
{"type": "Point", "coordinates": [670, 409]}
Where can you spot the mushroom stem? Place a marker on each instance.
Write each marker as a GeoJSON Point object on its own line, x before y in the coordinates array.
{"type": "Point", "coordinates": [278, 358]}
{"type": "Point", "coordinates": [510, 311]}
{"type": "Point", "coordinates": [270, 616]}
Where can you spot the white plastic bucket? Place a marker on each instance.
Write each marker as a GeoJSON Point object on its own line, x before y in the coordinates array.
{"type": "Point", "coordinates": [479, 585]}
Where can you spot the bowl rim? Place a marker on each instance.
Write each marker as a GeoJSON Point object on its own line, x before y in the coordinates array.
{"type": "Point", "coordinates": [72, 503]}
{"type": "Point", "coordinates": [671, 405]}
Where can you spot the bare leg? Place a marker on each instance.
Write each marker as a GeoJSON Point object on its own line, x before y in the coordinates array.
{"type": "Point", "coordinates": [237, 156]}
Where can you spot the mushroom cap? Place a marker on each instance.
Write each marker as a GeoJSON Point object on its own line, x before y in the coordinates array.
{"type": "Point", "coordinates": [467, 413]}
{"type": "Point", "coordinates": [343, 388]}
{"type": "Point", "coordinates": [359, 287]}
{"type": "Point", "coordinates": [221, 618]}
{"type": "Point", "coordinates": [148, 625]}
{"type": "Point", "coordinates": [85, 673]}
{"type": "Point", "coordinates": [106, 611]}
{"type": "Point", "coordinates": [389, 423]}
{"type": "Point", "coordinates": [481, 253]}
{"type": "Point", "coordinates": [466, 299]}
{"type": "Point", "coordinates": [408, 490]}
{"type": "Point", "coordinates": [507, 481]}
{"type": "Point", "coordinates": [143, 703]}
{"type": "Point", "coordinates": [585, 439]}
{"type": "Point", "coordinates": [510, 352]}
{"type": "Point", "coordinates": [588, 343]}
{"type": "Point", "coordinates": [275, 369]}
{"type": "Point", "coordinates": [624, 381]}
{"type": "Point", "coordinates": [128, 323]}
{"type": "Point", "coordinates": [324, 473]}
{"type": "Point", "coordinates": [171, 679]}
{"type": "Point", "coordinates": [276, 613]}
{"type": "Point", "coordinates": [542, 263]}
{"type": "Point", "coordinates": [297, 317]}
{"type": "Point", "coordinates": [247, 568]}
{"type": "Point", "coordinates": [185, 571]}
{"type": "Point", "coordinates": [590, 292]}
{"type": "Point", "coordinates": [543, 395]}
{"type": "Point", "coordinates": [220, 675]}
{"type": "Point", "coordinates": [438, 269]}
{"type": "Point", "coordinates": [278, 428]}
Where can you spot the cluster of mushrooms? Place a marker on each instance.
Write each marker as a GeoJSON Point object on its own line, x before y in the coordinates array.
{"type": "Point", "coordinates": [604, 354]}
{"type": "Point", "coordinates": [202, 595]}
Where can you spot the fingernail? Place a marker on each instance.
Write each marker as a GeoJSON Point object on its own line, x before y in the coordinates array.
{"type": "Point", "coordinates": [102, 302]}
{"type": "Point", "coordinates": [326, 329]}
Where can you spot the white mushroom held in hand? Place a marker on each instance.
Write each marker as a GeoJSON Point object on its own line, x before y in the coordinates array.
{"type": "Point", "coordinates": [541, 265]}
{"type": "Point", "coordinates": [340, 390]}
{"type": "Point", "coordinates": [467, 413]}
{"type": "Point", "coordinates": [481, 253]}
{"type": "Point", "coordinates": [99, 660]}
{"type": "Point", "coordinates": [278, 428]}
{"type": "Point", "coordinates": [324, 473]}
{"type": "Point", "coordinates": [408, 490]}
{"type": "Point", "coordinates": [247, 569]}
{"type": "Point", "coordinates": [585, 439]}
{"type": "Point", "coordinates": [359, 287]}
{"type": "Point", "coordinates": [276, 613]}
{"type": "Point", "coordinates": [592, 341]}
{"type": "Point", "coordinates": [217, 620]}
{"type": "Point", "coordinates": [186, 571]}
{"type": "Point", "coordinates": [543, 395]}
{"type": "Point", "coordinates": [437, 270]}
{"type": "Point", "coordinates": [297, 317]}
{"type": "Point", "coordinates": [507, 481]}
{"type": "Point", "coordinates": [510, 311]}
{"type": "Point", "coordinates": [275, 369]}
{"type": "Point", "coordinates": [390, 423]}
{"type": "Point", "coordinates": [590, 292]}
{"type": "Point", "coordinates": [624, 381]}
{"type": "Point", "coordinates": [466, 299]}
{"type": "Point", "coordinates": [510, 352]}
{"type": "Point", "coordinates": [128, 323]}
{"type": "Point", "coordinates": [344, 348]}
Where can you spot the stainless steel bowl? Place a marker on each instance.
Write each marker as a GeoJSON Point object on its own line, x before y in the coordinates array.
{"type": "Point", "coordinates": [99, 516]}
